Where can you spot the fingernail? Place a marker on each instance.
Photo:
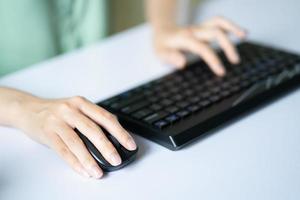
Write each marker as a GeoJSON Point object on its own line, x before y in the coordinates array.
{"type": "Point", "coordinates": [115, 159]}
{"type": "Point", "coordinates": [221, 72]}
{"type": "Point", "coordinates": [96, 172]}
{"type": "Point", "coordinates": [131, 144]}
{"type": "Point", "coordinates": [235, 59]}
{"type": "Point", "coordinates": [85, 174]}
{"type": "Point", "coordinates": [181, 62]}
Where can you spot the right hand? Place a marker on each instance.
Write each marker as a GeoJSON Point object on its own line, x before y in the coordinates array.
{"type": "Point", "coordinates": [52, 122]}
{"type": "Point", "coordinates": [171, 42]}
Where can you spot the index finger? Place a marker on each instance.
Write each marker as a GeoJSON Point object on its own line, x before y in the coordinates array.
{"type": "Point", "coordinates": [108, 121]}
{"type": "Point", "coordinates": [229, 26]}
{"type": "Point", "coordinates": [205, 52]}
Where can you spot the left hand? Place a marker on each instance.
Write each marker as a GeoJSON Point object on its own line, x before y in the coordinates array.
{"type": "Point", "coordinates": [170, 42]}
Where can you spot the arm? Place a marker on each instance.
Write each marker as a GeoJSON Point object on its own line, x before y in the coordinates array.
{"type": "Point", "coordinates": [52, 122]}
{"type": "Point", "coordinates": [162, 14]}
{"type": "Point", "coordinates": [10, 100]}
{"type": "Point", "coordinates": [171, 40]}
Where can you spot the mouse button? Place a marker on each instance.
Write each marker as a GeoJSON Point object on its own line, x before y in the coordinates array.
{"type": "Point", "coordinates": [120, 149]}
{"type": "Point", "coordinates": [97, 155]}
{"type": "Point", "coordinates": [125, 153]}
{"type": "Point", "coordinates": [94, 151]}
{"type": "Point", "coordinates": [114, 141]}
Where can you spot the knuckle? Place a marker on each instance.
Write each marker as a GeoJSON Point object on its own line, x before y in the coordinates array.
{"type": "Point", "coordinates": [50, 140]}
{"type": "Point", "coordinates": [73, 141]}
{"type": "Point", "coordinates": [108, 149]}
{"type": "Point", "coordinates": [114, 117]}
{"type": "Point", "coordinates": [75, 165]}
{"type": "Point", "coordinates": [217, 32]}
{"type": "Point", "coordinates": [49, 123]}
{"type": "Point", "coordinates": [78, 99]}
{"type": "Point", "coordinates": [124, 138]}
{"type": "Point", "coordinates": [186, 32]}
{"type": "Point", "coordinates": [127, 137]}
{"type": "Point", "coordinates": [46, 128]}
{"type": "Point", "coordinates": [88, 162]}
{"type": "Point", "coordinates": [111, 151]}
{"type": "Point", "coordinates": [63, 151]}
{"type": "Point", "coordinates": [64, 107]}
{"type": "Point", "coordinates": [101, 138]}
{"type": "Point", "coordinates": [91, 126]}
{"type": "Point", "coordinates": [51, 118]}
{"type": "Point", "coordinates": [110, 116]}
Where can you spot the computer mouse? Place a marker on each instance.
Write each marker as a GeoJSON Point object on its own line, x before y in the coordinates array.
{"type": "Point", "coordinates": [126, 155]}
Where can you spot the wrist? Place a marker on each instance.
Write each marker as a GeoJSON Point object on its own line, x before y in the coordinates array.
{"type": "Point", "coordinates": [164, 28]}
{"type": "Point", "coordinates": [20, 109]}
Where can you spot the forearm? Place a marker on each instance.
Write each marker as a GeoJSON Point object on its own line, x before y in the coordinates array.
{"type": "Point", "coordinates": [162, 14]}
{"type": "Point", "coordinates": [11, 102]}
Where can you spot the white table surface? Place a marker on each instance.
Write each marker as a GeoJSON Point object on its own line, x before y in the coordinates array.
{"type": "Point", "coordinates": [254, 158]}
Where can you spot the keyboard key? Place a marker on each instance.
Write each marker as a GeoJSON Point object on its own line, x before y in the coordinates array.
{"type": "Point", "coordinates": [215, 89]}
{"type": "Point", "coordinates": [135, 106]}
{"type": "Point", "coordinates": [155, 117]}
{"type": "Point", "coordinates": [172, 109]}
{"type": "Point", "coordinates": [177, 97]}
{"type": "Point", "coordinates": [153, 99]}
{"type": "Point", "coordinates": [142, 113]}
{"type": "Point", "coordinates": [224, 93]}
{"type": "Point", "coordinates": [193, 108]}
{"type": "Point", "coordinates": [163, 94]}
{"type": "Point", "coordinates": [172, 118]}
{"type": "Point", "coordinates": [194, 99]}
{"type": "Point", "coordinates": [234, 88]}
{"type": "Point", "coordinates": [110, 101]}
{"type": "Point", "coordinates": [185, 85]}
{"type": "Point", "coordinates": [166, 102]}
{"type": "Point", "coordinates": [124, 102]}
{"type": "Point", "coordinates": [156, 107]}
{"type": "Point", "coordinates": [182, 104]}
{"type": "Point", "coordinates": [148, 92]}
{"type": "Point", "coordinates": [204, 95]}
{"type": "Point", "coordinates": [204, 103]}
{"type": "Point", "coordinates": [183, 113]}
{"type": "Point", "coordinates": [225, 85]}
{"type": "Point", "coordinates": [214, 98]}
{"type": "Point", "coordinates": [161, 124]}
{"type": "Point", "coordinates": [199, 87]}
{"type": "Point", "coordinates": [188, 92]}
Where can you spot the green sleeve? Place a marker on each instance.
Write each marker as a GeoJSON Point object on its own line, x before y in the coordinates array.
{"type": "Point", "coordinates": [35, 30]}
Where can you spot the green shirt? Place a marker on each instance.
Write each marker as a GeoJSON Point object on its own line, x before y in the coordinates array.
{"type": "Point", "coordinates": [34, 30]}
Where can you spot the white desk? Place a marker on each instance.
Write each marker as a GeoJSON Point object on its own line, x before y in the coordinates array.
{"type": "Point", "coordinates": [255, 158]}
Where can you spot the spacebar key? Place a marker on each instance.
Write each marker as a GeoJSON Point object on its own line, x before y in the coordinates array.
{"type": "Point", "coordinates": [155, 116]}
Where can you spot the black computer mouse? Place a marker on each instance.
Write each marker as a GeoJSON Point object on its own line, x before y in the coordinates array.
{"type": "Point", "coordinates": [126, 155]}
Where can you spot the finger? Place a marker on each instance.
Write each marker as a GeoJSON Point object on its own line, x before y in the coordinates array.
{"type": "Point", "coordinates": [211, 34]}
{"type": "Point", "coordinates": [229, 26]}
{"type": "Point", "coordinates": [60, 147]}
{"type": "Point", "coordinates": [173, 57]}
{"type": "Point", "coordinates": [227, 46]}
{"type": "Point", "coordinates": [77, 147]}
{"type": "Point", "coordinates": [108, 121]}
{"type": "Point", "coordinates": [94, 133]}
{"type": "Point", "coordinates": [206, 53]}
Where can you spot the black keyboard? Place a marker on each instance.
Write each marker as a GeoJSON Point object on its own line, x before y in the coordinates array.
{"type": "Point", "coordinates": [186, 104]}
